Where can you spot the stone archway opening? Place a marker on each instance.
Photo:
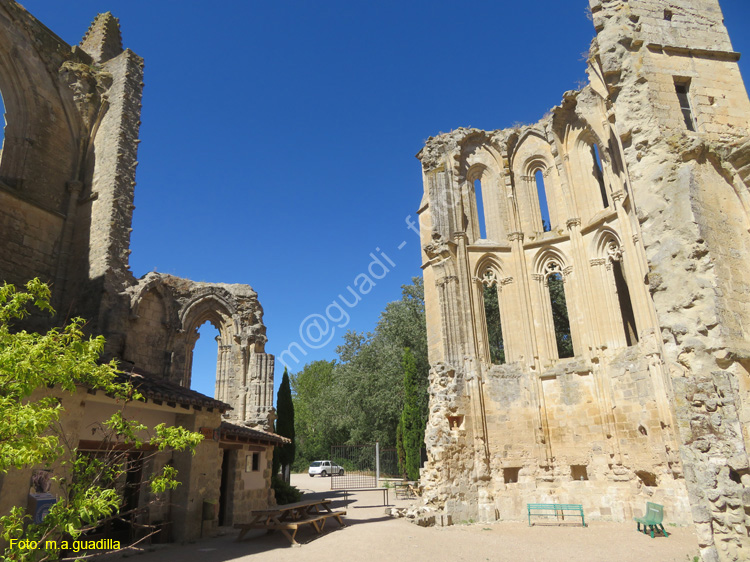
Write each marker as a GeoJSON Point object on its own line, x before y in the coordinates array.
{"type": "Point", "coordinates": [204, 362]}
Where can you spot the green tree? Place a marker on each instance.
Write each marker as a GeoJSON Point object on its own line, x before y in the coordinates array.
{"type": "Point", "coordinates": [360, 397]}
{"type": "Point", "coordinates": [400, 451]}
{"type": "Point", "coordinates": [412, 424]}
{"type": "Point", "coordinates": [319, 422]}
{"type": "Point", "coordinates": [283, 456]}
{"type": "Point", "coordinates": [370, 371]}
{"type": "Point", "coordinates": [34, 370]}
{"type": "Point", "coordinates": [560, 315]}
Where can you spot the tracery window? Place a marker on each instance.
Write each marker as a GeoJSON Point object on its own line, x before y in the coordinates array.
{"type": "Point", "coordinates": [614, 255]}
{"type": "Point", "coordinates": [542, 196]}
{"type": "Point", "coordinates": [599, 174]}
{"type": "Point", "coordinates": [492, 318]}
{"type": "Point", "coordinates": [553, 278]}
{"type": "Point", "coordinates": [479, 209]}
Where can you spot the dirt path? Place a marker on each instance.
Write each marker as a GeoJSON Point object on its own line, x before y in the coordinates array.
{"type": "Point", "coordinates": [371, 535]}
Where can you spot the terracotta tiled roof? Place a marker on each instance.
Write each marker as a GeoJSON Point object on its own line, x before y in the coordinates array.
{"type": "Point", "coordinates": [228, 429]}
{"type": "Point", "coordinates": [172, 394]}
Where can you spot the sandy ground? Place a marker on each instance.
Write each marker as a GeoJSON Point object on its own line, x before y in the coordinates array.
{"type": "Point", "coordinates": [372, 535]}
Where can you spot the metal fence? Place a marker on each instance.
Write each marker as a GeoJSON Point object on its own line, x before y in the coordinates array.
{"type": "Point", "coordinates": [362, 466]}
{"type": "Point", "coordinates": [389, 464]}
{"type": "Point", "coordinates": [359, 464]}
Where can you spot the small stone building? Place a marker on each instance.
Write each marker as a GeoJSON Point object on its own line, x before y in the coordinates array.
{"type": "Point", "coordinates": [67, 178]}
{"type": "Point", "coordinates": [613, 236]}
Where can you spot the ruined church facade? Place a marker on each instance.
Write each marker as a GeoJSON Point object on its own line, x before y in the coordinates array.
{"type": "Point", "coordinates": [626, 207]}
{"type": "Point", "coordinates": [67, 180]}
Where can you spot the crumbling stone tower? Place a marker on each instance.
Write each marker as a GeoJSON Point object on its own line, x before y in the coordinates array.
{"type": "Point", "coordinates": [644, 174]}
{"type": "Point", "coordinates": [67, 179]}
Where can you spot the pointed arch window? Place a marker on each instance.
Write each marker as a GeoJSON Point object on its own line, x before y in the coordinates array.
{"type": "Point", "coordinates": [555, 285]}
{"type": "Point", "coordinates": [599, 173]}
{"type": "Point", "coordinates": [542, 197]}
{"type": "Point", "coordinates": [204, 359]}
{"type": "Point", "coordinates": [492, 318]}
{"type": "Point", "coordinates": [623, 293]}
{"type": "Point", "coordinates": [479, 208]}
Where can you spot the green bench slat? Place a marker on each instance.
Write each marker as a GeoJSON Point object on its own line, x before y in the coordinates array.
{"type": "Point", "coordinates": [652, 520]}
{"type": "Point", "coordinates": [556, 508]}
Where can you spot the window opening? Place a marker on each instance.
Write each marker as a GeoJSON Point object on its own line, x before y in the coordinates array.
{"type": "Point", "coordinates": [598, 174]}
{"type": "Point", "coordinates": [228, 463]}
{"type": "Point", "coordinates": [492, 319]}
{"type": "Point", "coordinates": [256, 462]}
{"type": "Point", "coordinates": [480, 209]}
{"type": "Point", "coordinates": [542, 195]}
{"type": "Point", "coordinates": [578, 472]}
{"type": "Point", "coordinates": [560, 318]}
{"type": "Point", "coordinates": [626, 307]}
{"type": "Point", "coordinates": [683, 95]}
{"type": "Point", "coordinates": [205, 357]}
{"type": "Point", "coordinates": [510, 474]}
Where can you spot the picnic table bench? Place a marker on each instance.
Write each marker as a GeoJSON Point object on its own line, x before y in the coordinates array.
{"type": "Point", "coordinates": [348, 491]}
{"type": "Point", "coordinates": [559, 510]}
{"type": "Point", "coordinates": [652, 521]}
{"type": "Point", "coordinates": [288, 518]}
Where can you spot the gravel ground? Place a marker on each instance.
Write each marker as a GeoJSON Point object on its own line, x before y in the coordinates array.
{"type": "Point", "coordinates": [372, 535]}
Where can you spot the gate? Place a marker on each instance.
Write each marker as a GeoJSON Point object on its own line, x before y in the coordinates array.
{"type": "Point", "coordinates": [360, 465]}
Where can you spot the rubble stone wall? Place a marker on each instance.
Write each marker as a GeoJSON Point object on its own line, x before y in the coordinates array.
{"type": "Point", "coordinates": [67, 181]}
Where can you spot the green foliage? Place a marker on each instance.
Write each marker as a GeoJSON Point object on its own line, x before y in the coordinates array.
{"type": "Point", "coordinates": [412, 424]}
{"type": "Point", "coordinates": [283, 456]}
{"type": "Point", "coordinates": [60, 358]}
{"type": "Point", "coordinates": [360, 397]}
{"type": "Point", "coordinates": [494, 328]}
{"type": "Point", "coordinates": [35, 370]}
{"type": "Point", "coordinates": [285, 493]}
{"type": "Point", "coordinates": [400, 451]}
{"type": "Point", "coordinates": [318, 420]}
{"type": "Point", "coordinates": [560, 316]}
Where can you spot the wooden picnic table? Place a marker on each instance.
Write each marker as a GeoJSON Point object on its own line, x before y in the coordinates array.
{"type": "Point", "coordinates": [289, 517]}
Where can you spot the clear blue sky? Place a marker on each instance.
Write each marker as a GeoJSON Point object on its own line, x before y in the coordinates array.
{"type": "Point", "coordinates": [278, 138]}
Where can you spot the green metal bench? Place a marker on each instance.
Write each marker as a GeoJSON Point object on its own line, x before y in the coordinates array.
{"type": "Point", "coordinates": [652, 521]}
{"type": "Point", "coordinates": [559, 510]}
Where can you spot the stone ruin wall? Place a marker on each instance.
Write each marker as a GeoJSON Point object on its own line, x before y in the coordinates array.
{"type": "Point", "coordinates": [67, 180]}
{"type": "Point", "coordinates": [664, 419]}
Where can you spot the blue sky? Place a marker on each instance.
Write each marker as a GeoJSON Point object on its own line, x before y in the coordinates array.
{"type": "Point", "coordinates": [278, 138]}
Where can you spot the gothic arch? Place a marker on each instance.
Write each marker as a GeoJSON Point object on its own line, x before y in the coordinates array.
{"type": "Point", "coordinates": [533, 155]}
{"type": "Point", "coordinates": [491, 320]}
{"type": "Point", "coordinates": [210, 307]}
{"type": "Point", "coordinates": [546, 255]}
{"type": "Point", "coordinates": [214, 308]}
{"type": "Point", "coordinates": [589, 171]}
{"type": "Point", "coordinates": [557, 319]}
{"type": "Point", "coordinates": [488, 262]}
{"type": "Point", "coordinates": [601, 239]}
{"type": "Point", "coordinates": [480, 163]}
{"type": "Point", "coordinates": [621, 329]}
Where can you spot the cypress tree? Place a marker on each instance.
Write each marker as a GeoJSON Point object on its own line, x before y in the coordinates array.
{"type": "Point", "coordinates": [411, 419]}
{"type": "Point", "coordinates": [283, 456]}
{"type": "Point", "coordinates": [400, 452]}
